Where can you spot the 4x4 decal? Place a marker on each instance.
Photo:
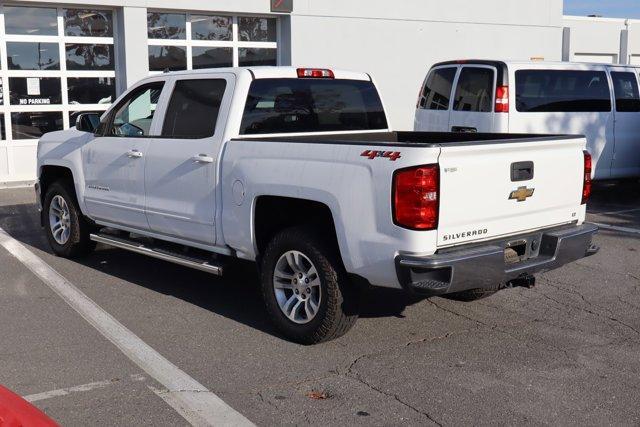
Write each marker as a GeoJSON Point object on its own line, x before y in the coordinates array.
{"type": "Point", "coordinates": [372, 154]}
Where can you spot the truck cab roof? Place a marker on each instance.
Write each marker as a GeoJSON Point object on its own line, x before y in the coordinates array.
{"type": "Point", "coordinates": [270, 72]}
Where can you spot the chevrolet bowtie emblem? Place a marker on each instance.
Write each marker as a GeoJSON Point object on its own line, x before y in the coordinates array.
{"type": "Point", "coordinates": [521, 194]}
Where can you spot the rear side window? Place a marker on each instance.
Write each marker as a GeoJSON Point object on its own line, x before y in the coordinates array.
{"type": "Point", "coordinates": [193, 108]}
{"type": "Point", "coordinates": [311, 105]}
{"type": "Point", "coordinates": [625, 87]}
{"type": "Point", "coordinates": [437, 90]}
{"type": "Point", "coordinates": [562, 91]}
{"type": "Point", "coordinates": [474, 91]}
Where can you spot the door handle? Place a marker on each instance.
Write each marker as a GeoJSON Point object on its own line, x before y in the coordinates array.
{"type": "Point", "coordinates": [202, 158]}
{"type": "Point", "coordinates": [134, 154]}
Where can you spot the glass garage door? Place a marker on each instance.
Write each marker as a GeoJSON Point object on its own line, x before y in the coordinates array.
{"type": "Point", "coordinates": [189, 41]}
{"type": "Point", "coordinates": [55, 62]}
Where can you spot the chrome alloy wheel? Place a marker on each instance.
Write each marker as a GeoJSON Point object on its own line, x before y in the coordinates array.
{"type": "Point", "coordinates": [297, 287]}
{"type": "Point", "coordinates": [60, 220]}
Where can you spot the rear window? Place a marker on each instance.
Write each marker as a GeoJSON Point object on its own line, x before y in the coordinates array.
{"type": "Point", "coordinates": [437, 90]}
{"type": "Point", "coordinates": [474, 91]}
{"type": "Point", "coordinates": [625, 88]}
{"type": "Point", "coordinates": [311, 105]}
{"type": "Point", "coordinates": [562, 91]}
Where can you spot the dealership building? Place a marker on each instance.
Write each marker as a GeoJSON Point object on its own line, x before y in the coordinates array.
{"type": "Point", "coordinates": [58, 58]}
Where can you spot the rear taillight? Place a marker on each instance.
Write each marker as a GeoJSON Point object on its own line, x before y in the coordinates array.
{"type": "Point", "coordinates": [315, 73]}
{"type": "Point", "coordinates": [502, 99]}
{"type": "Point", "coordinates": [416, 197]}
{"type": "Point", "coordinates": [586, 186]}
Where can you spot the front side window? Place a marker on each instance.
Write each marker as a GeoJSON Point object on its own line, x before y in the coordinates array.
{"type": "Point", "coordinates": [437, 90]}
{"type": "Point", "coordinates": [474, 91]}
{"type": "Point", "coordinates": [193, 109]}
{"type": "Point", "coordinates": [312, 105]}
{"type": "Point", "coordinates": [562, 91]}
{"type": "Point", "coordinates": [625, 88]}
{"type": "Point", "coordinates": [134, 115]}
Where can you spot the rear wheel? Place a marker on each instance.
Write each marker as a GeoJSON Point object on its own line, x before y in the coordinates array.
{"type": "Point", "coordinates": [306, 291]}
{"type": "Point", "coordinates": [66, 228]}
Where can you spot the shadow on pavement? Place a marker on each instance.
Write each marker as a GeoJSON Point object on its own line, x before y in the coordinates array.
{"type": "Point", "coordinates": [235, 296]}
{"type": "Point", "coordinates": [616, 203]}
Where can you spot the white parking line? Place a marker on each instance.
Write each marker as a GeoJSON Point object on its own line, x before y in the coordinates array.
{"type": "Point", "coordinates": [616, 228]}
{"type": "Point", "coordinates": [68, 390]}
{"type": "Point", "coordinates": [187, 394]}
{"type": "Point", "coordinates": [78, 389]}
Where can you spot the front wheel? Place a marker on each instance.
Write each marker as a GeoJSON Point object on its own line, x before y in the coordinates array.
{"type": "Point", "coordinates": [66, 228]}
{"type": "Point", "coordinates": [305, 288]}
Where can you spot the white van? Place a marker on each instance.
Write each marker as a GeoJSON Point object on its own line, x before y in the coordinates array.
{"type": "Point", "coordinates": [599, 101]}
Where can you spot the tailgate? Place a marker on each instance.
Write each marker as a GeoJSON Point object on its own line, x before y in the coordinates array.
{"type": "Point", "coordinates": [480, 200]}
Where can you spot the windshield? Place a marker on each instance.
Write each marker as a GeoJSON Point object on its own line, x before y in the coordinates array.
{"type": "Point", "coordinates": [312, 105]}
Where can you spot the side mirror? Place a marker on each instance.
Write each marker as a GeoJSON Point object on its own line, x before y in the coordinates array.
{"type": "Point", "coordinates": [88, 122]}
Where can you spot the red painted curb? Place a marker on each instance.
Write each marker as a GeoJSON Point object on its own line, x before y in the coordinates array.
{"type": "Point", "coordinates": [17, 412]}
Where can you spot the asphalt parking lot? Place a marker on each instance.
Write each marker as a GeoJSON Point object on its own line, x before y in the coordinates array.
{"type": "Point", "coordinates": [564, 352]}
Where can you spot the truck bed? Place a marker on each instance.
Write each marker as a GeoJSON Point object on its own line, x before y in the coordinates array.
{"type": "Point", "coordinates": [419, 139]}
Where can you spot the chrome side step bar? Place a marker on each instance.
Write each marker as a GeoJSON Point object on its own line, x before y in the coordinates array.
{"type": "Point", "coordinates": [140, 248]}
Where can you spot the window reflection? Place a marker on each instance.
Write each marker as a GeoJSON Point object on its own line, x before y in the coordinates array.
{"type": "Point", "coordinates": [215, 57]}
{"type": "Point", "coordinates": [211, 27]}
{"type": "Point", "coordinates": [89, 56]}
{"type": "Point", "coordinates": [163, 58]}
{"type": "Point", "coordinates": [34, 125]}
{"type": "Point", "coordinates": [32, 21]}
{"type": "Point", "coordinates": [35, 90]}
{"type": "Point", "coordinates": [33, 56]}
{"type": "Point", "coordinates": [256, 57]}
{"type": "Point", "coordinates": [257, 29]}
{"type": "Point", "coordinates": [101, 90]}
{"type": "Point", "coordinates": [88, 23]}
{"type": "Point", "coordinates": [166, 25]}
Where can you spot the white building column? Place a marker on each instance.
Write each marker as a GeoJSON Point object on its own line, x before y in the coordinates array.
{"type": "Point", "coordinates": [131, 44]}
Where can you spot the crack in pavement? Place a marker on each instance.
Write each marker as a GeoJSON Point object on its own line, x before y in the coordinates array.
{"type": "Point", "coordinates": [504, 332]}
{"type": "Point", "coordinates": [354, 376]}
{"type": "Point", "coordinates": [586, 310]}
{"type": "Point", "coordinates": [349, 373]}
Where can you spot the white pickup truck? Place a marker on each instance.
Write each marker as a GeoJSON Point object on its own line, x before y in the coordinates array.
{"type": "Point", "coordinates": [297, 170]}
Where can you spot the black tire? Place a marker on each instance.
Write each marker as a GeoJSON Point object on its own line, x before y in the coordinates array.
{"type": "Point", "coordinates": [78, 243]}
{"type": "Point", "coordinates": [338, 308]}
